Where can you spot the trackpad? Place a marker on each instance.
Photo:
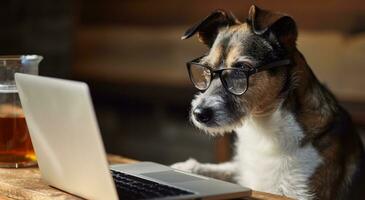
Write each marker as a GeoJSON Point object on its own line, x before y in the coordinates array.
{"type": "Point", "coordinates": [172, 176]}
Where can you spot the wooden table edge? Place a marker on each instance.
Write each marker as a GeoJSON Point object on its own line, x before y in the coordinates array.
{"type": "Point", "coordinates": [18, 188]}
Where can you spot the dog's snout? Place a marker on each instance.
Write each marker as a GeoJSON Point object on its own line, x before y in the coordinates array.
{"type": "Point", "coordinates": [203, 115]}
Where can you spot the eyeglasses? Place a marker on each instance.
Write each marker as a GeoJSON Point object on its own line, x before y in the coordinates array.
{"type": "Point", "coordinates": [234, 80]}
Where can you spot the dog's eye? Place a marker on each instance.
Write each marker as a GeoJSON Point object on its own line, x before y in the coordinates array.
{"type": "Point", "coordinates": [243, 65]}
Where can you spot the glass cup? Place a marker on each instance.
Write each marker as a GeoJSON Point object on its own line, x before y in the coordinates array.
{"type": "Point", "coordinates": [16, 148]}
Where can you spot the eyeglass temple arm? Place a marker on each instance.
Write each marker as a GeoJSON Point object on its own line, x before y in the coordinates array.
{"type": "Point", "coordinates": [273, 64]}
{"type": "Point", "coordinates": [196, 60]}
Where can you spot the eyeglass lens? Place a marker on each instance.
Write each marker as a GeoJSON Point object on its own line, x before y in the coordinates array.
{"type": "Point", "coordinates": [235, 80]}
{"type": "Point", "coordinates": [200, 76]}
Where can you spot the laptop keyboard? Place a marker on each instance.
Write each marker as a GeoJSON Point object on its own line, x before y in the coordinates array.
{"type": "Point", "coordinates": [132, 187]}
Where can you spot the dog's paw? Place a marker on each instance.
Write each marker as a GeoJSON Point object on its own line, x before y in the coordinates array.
{"type": "Point", "coordinates": [189, 165]}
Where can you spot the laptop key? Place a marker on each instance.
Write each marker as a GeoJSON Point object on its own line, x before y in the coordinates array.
{"type": "Point", "coordinates": [132, 187]}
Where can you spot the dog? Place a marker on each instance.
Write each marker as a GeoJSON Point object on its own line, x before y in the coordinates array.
{"type": "Point", "coordinates": [293, 137]}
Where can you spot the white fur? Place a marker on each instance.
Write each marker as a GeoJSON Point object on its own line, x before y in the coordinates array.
{"type": "Point", "coordinates": [268, 157]}
{"type": "Point", "coordinates": [271, 158]}
{"type": "Point", "coordinates": [224, 171]}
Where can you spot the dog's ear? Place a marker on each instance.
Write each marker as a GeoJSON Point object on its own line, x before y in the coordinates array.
{"type": "Point", "coordinates": [281, 25]}
{"type": "Point", "coordinates": [208, 28]}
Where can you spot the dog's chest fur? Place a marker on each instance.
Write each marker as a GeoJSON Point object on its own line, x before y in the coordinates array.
{"type": "Point", "coordinates": [270, 158]}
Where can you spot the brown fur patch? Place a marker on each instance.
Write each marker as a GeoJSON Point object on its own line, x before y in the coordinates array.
{"type": "Point", "coordinates": [329, 129]}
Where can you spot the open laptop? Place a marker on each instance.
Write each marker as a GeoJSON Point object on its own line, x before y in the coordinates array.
{"type": "Point", "coordinates": [71, 156]}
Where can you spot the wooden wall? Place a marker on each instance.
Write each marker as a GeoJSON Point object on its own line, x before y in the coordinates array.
{"type": "Point", "coordinates": [39, 27]}
{"type": "Point", "coordinates": [310, 14]}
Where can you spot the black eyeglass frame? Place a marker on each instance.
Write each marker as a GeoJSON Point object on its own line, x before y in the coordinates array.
{"type": "Point", "coordinates": [252, 70]}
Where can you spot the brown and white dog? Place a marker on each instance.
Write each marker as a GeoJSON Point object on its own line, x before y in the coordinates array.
{"type": "Point", "coordinates": [293, 138]}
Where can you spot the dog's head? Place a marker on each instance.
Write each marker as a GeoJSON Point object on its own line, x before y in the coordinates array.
{"type": "Point", "coordinates": [265, 37]}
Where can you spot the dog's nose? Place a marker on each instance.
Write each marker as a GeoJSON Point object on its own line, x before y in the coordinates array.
{"type": "Point", "coordinates": [203, 115]}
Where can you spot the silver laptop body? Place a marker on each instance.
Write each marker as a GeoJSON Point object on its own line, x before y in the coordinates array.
{"type": "Point", "coordinates": [70, 152]}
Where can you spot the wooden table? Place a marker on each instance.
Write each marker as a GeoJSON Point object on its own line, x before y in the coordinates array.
{"type": "Point", "coordinates": [26, 183]}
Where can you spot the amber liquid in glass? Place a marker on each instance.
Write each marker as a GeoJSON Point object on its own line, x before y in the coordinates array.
{"type": "Point", "coordinates": [16, 148]}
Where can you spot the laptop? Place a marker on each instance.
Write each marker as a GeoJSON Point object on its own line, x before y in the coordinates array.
{"type": "Point", "coordinates": [71, 156]}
